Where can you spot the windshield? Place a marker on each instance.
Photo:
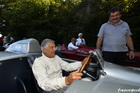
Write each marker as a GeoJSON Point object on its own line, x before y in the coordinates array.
{"type": "Point", "coordinates": [98, 58]}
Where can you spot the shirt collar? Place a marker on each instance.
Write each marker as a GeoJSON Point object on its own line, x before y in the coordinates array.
{"type": "Point", "coordinates": [45, 57]}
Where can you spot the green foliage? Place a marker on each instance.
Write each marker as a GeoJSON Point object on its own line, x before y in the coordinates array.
{"type": "Point", "coordinates": [63, 19]}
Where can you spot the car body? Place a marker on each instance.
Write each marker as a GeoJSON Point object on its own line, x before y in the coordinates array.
{"type": "Point", "coordinates": [83, 51]}
{"type": "Point", "coordinates": [112, 79]}
{"type": "Point", "coordinates": [17, 77]}
{"type": "Point", "coordinates": [15, 72]}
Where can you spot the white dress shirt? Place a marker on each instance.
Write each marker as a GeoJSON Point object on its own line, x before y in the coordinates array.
{"type": "Point", "coordinates": [71, 46]}
{"type": "Point", "coordinates": [80, 41]}
{"type": "Point", "coordinates": [48, 72]}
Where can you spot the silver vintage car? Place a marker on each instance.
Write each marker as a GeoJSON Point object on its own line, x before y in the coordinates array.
{"type": "Point", "coordinates": [111, 79]}
{"type": "Point", "coordinates": [16, 74]}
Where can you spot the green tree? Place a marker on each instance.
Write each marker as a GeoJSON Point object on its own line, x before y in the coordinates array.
{"type": "Point", "coordinates": [63, 19]}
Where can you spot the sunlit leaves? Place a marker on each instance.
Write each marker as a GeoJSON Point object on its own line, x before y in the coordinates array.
{"type": "Point", "coordinates": [63, 19]}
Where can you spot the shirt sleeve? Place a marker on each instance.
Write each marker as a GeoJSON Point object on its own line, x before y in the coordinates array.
{"type": "Point", "coordinates": [101, 31]}
{"type": "Point", "coordinates": [72, 47]}
{"type": "Point", "coordinates": [128, 30]}
{"type": "Point", "coordinates": [69, 66]}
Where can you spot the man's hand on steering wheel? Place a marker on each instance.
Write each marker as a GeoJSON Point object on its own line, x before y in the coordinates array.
{"type": "Point", "coordinates": [73, 76]}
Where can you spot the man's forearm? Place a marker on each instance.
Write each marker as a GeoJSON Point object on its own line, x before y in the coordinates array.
{"type": "Point", "coordinates": [130, 43]}
{"type": "Point", "coordinates": [98, 44]}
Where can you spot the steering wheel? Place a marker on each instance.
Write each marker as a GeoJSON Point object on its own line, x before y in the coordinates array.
{"type": "Point", "coordinates": [85, 62]}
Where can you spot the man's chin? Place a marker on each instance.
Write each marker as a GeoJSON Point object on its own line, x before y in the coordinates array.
{"type": "Point", "coordinates": [51, 56]}
{"type": "Point", "coordinates": [115, 21]}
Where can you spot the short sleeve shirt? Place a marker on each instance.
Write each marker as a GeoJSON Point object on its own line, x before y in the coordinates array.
{"type": "Point", "coordinates": [114, 37]}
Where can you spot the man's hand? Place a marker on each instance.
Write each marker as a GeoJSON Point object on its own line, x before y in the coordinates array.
{"type": "Point", "coordinates": [73, 76]}
{"type": "Point", "coordinates": [131, 54]}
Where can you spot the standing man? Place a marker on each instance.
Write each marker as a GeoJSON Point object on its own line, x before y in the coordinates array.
{"type": "Point", "coordinates": [48, 68]}
{"type": "Point", "coordinates": [114, 35]}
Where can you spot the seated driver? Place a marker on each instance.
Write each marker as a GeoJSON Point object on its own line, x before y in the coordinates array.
{"type": "Point", "coordinates": [47, 69]}
{"type": "Point", "coordinates": [71, 45]}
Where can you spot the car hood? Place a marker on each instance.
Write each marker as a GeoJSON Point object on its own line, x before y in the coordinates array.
{"type": "Point", "coordinates": [104, 85]}
{"type": "Point", "coordinates": [122, 73]}
{"type": "Point", "coordinates": [9, 55]}
{"type": "Point", "coordinates": [5, 55]}
{"type": "Point", "coordinates": [117, 80]}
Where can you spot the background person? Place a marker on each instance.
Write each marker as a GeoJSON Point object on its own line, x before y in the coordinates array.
{"type": "Point", "coordinates": [71, 45]}
{"type": "Point", "coordinates": [48, 68]}
{"type": "Point", "coordinates": [1, 40]}
{"type": "Point", "coordinates": [80, 40]}
{"type": "Point", "coordinates": [114, 35]}
{"type": "Point", "coordinates": [7, 41]}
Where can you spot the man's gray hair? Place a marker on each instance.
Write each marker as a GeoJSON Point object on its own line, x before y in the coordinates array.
{"type": "Point", "coordinates": [80, 34]}
{"type": "Point", "coordinates": [45, 43]}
